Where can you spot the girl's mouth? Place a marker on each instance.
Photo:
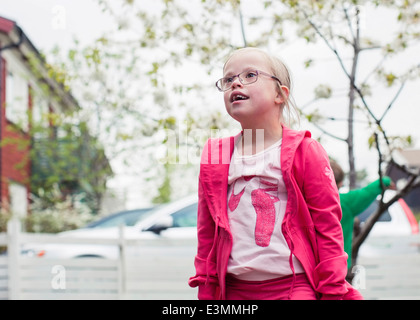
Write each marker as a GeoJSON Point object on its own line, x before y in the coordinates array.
{"type": "Point", "coordinates": [238, 97]}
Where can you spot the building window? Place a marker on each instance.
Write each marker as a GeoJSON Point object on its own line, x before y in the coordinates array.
{"type": "Point", "coordinates": [40, 119]}
{"type": "Point", "coordinates": [17, 95]}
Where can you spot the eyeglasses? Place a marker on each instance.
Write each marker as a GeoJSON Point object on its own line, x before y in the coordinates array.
{"type": "Point", "coordinates": [245, 77]}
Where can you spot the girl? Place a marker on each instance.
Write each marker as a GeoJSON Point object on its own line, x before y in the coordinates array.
{"type": "Point", "coordinates": [268, 209]}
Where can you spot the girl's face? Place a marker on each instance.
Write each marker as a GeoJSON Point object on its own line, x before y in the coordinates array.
{"type": "Point", "coordinates": [259, 103]}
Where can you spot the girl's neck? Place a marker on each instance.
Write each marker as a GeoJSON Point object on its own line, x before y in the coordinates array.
{"type": "Point", "coordinates": [254, 141]}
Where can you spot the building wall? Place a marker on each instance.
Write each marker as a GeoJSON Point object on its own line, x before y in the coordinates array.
{"type": "Point", "coordinates": [15, 161]}
{"type": "Point", "coordinates": [27, 102]}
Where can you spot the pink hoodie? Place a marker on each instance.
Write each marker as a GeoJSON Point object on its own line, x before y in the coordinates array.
{"type": "Point", "coordinates": [311, 225]}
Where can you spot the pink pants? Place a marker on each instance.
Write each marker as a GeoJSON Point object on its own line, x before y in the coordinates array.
{"type": "Point", "coordinates": [273, 289]}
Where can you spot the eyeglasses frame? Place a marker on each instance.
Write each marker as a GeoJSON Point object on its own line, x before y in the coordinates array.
{"type": "Point", "coordinates": [258, 72]}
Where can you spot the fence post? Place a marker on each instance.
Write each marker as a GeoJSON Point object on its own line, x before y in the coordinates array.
{"type": "Point", "coordinates": [122, 263]}
{"type": "Point", "coordinates": [13, 252]}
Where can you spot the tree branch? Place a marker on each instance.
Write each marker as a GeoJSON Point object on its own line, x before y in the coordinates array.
{"type": "Point", "coordinates": [328, 133]}
{"type": "Point", "coordinates": [392, 101]}
{"type": "Point", "coordinates": [349, 23]}
{"type": "Point", "coordinates": [340, 60]}
{"type": "Point", "coordinates": [334, 50]}
{"type": "Point", "coordinates": [374, 69]}
{"type": "Point", "coordinates": [241, 19]}
{"type": "Point", "coordinates": [380, 157]}
{"type": "Point", "coordinates": [397, 94]}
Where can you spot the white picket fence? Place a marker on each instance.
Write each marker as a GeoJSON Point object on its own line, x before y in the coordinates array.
{"type": "Point", "coordinates": [162, 269]}
{"type": "Point", "coordinates": [150, 276]}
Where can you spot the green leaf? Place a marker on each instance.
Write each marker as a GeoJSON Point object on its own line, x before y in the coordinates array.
{"type": "Point", "coordinates": [308, 63]}
{"type": "Point", "coordinates": [390, 79]}
{"type": "Point", "coordinates": [372, 141]}
{"type": "Point", "coordinates": [189, 27]}
{"type": "Point", "coordinates": [155, 68]}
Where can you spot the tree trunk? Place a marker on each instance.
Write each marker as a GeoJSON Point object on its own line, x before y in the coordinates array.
{"type": "Point", "coordinates": [352, 96]}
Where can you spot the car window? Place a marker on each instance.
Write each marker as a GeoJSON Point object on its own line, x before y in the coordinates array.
{"type": "Point", "coordinates": [186, 217]}
{"type": "Point", "coordinates": [128, 218]}
{"type": "Point", "coordinates": [371, 210]}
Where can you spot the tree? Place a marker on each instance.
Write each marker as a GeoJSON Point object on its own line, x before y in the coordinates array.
{"type": "Point", "coordinates": [124, 92]}
{"type": "Point", "coordinates": [316, 20]}
{"type": "Point", "coordinates": [66, 155]}
{"type": "Point", "coordinates": [317, 17]}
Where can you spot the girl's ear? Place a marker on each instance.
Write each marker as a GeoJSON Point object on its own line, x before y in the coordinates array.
{"type": "Point", "coordinates": [282, 95]}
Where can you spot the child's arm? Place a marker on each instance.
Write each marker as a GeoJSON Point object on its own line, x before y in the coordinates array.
{"type": "Point", "coordinates": [206, 274]}
{"type": "Point", "coordinates": [358, 200]}
{"type": "Point", "coordinates": [205, 277]}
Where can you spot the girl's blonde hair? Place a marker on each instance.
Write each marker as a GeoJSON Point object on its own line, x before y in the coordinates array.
{"type": "Point", "coordinates": [290, 113]}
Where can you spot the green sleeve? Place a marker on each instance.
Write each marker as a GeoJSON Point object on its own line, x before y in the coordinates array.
{"type": "Point", "coordinates": [356, 201]}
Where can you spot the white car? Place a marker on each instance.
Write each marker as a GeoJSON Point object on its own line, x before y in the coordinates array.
{"type": "Point", "coordinates": [172, 222]}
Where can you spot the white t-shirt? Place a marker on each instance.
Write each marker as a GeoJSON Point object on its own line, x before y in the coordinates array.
{"type": "Point", "coordinates": [257, 199]}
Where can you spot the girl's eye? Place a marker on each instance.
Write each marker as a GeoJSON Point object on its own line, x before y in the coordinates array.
{"type": "Point", "coordinates": [251, 74]}
{"type": "Point", "coordinates": [229, 80]}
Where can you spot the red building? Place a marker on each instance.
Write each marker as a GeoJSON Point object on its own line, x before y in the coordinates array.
{"type": "Point", "coordinates": [26, 93]}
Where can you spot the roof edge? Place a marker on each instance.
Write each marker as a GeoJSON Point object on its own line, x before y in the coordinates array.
{"type": "Point", "coordinates": [6, 25]}
{"type": "Point", "coordinates": [23, 44]}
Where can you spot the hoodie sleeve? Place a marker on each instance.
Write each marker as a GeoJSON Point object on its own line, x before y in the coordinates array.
{"type": "Point", "coordinates": [321, 195]}
{"type": "Point", "coordinates": [205, 265]}
{"type": "Point", "coordinates": [205, 277]}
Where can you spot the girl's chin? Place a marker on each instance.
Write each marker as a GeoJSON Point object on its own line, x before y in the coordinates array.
{"type": "Point", "coordinates": [241, 117]}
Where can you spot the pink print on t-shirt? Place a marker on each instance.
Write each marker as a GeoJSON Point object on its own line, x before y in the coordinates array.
{"type": "Point", "coordinates": [235, 198]}
{"type": "Point", "coordinates": [263, 203]}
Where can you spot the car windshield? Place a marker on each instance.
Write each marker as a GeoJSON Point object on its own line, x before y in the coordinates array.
{"type": "Point", "coordinates": [126, 218]}
{"type": "Point", "coordinates": [186, 217]}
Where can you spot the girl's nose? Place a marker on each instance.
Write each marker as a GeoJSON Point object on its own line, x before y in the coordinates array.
{"type": "Point", "coordinates": [236, 82]}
